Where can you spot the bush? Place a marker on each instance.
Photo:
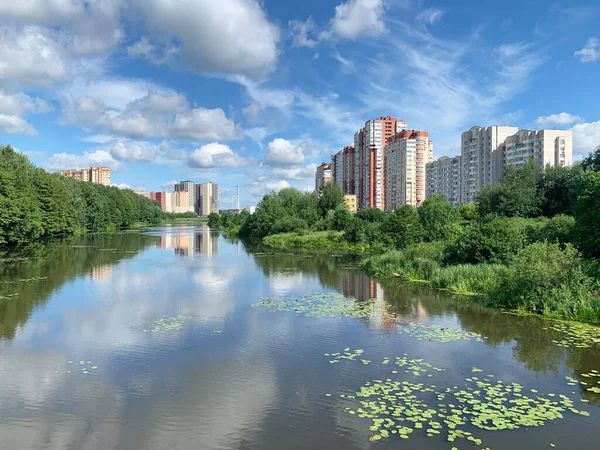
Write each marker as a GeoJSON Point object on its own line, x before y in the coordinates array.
{"type": "Point", "coordinates": [214, 220]}
{"type": "Point", "coordinates": [402, 227]}
{"type": "Point", "coordinates": [557, 229]}
{"type": "Point", "coordinates": [468, 212]}
{"type": "Point", "coordinates": [587, 214]}
{"type": "Point", "coordinates": [372, 215]}
{"type": "Point", "coordinates": [549, 279]}
{"type": "Point", "coordinates": [490, 239]}
{"type": "Point", "coordinates": [289, 224]}
{"type": "Point", "coordinates": [341, 218]}
{"type": "Point", "coordinates": [439, 219]}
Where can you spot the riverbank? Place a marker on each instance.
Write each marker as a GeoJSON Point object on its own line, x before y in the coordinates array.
{"type": "Point", "coordinates": [318, 240]}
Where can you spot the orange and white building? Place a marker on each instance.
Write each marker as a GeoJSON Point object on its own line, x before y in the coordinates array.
{"type": "Point", "coordinates": [323, 175]}
{"type": "Point", "coordinates": [406, 156]}
{"type": "Point", "coordinates": [96, 175]}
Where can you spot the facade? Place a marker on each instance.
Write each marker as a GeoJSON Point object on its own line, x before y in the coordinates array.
{"type": "Point", "coordinates": [144, 194]}
{"type": "Point", "coordinates": [350, 201]}
{"type": "Point", "coordinates": [369, 143]}
{"type": "Point", "coordinates": [444, 177]}
{"type": "Point", "coordinates": [173, 202]}
{"type": "Point", "coordinates": [207, 198]}
{"type": "Point", "coordinates": [343, 170]}
{"type": "Point", "coordinates": [545, 147]}
{"type": "Point", "coordinates": [406, 156]}
{"type": "Point", "coordinates": [323, 175]}
{"type": "Point", "coordinates": [250, 209]}
{"type": "Point", "coordinates": [481, 151]}
{"type": "Point", "coordinates": [189, 187]}
{"type": "Point", "coordinates": [96, 175]}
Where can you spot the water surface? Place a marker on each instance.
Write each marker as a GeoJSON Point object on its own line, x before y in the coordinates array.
{"type": "Point", "coordinates": [87, 363]}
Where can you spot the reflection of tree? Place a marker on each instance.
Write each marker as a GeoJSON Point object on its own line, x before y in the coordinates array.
{"type": "Point", "coordinates": [47, 266]}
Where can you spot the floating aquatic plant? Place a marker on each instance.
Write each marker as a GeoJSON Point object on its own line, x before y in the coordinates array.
{"type": "Point", "coordinates": [166, 324]}
{"type": "Point", "coordinates": [578, 335]}
{"type": "Point", "coordinates": [438, 333]}
{"type": "Point", "coordinates": [84, 366]}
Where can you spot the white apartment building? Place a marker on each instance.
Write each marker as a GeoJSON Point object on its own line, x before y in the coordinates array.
{"type": "Point", "coordinates": [189, 187]}
{"type": "Point", "coordinates": [482, 163]}
{"type": "Point", "coordinates": [406, 156]}
{"type": "Point", "coordinates": [545, 147]}
{"type": "Point", "coordinates": [444, 177]}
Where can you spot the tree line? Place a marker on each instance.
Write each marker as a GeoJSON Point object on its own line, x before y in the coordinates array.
{"type": "Point", "coordinates": [36, 204]}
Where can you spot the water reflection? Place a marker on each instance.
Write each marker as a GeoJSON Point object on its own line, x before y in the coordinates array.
{"type": "Point", "coordinates": [189, 243]}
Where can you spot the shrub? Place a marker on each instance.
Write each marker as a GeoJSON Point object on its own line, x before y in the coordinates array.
{"type": "Point", "coordinates": [587, 214]}
{"type": "Point", "coordinates": [371, 215]}
{"type": "Point", "coordinates": [468, 212]}
{"type": "Point", "coordinates": [439, 219]}
{"type": "Point", "coordinates": [214, 220]}
{"type": "Point", "coordinates": [289, 224]}
{"type": "Point", "coordinates": [341, 218]}
{"type": "Point", "coordinates": [557, 229]}
{"type": "Point", "coordinates": [402, 227]}
{"type": "Point", "coordinates": [468, 278]}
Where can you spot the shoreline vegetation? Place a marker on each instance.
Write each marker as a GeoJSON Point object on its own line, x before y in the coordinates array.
{"type": "Point", "coordinates": [529, 243]}
{"type": "Point", "coordinates": [37, 205]}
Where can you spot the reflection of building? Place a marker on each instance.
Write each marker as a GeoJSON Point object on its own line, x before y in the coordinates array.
{"type": "Point", "coordinates": [207, 198]}
{"type": "Point", "coordinates": [350, 201]}
{"type": "Point", "coordinates": [102, 273]}
{"type": "Point", "coordinates": [96, 175]}
{"type": "Point", "coordinates": [323, 175]}
{"type": "Point", "coordinates": [191, 243]}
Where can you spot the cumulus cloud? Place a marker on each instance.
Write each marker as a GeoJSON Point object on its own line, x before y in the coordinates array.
{"type": "Point", "coordinates": [358, 18]}
{"type": "Point", "coordinates": [591, 51]}
{"type": "Point", "coordinates": [121, 185]}
{"type": "Point", "coordinates": [215, 155]}
{"type": "Point", "coordinates": [146, 50]}
{"type": "Point", "coordinates": [300, 33]}
{"type": "Point", "coordinates": [562, 118]}
{"type": "Point", "coordinates": [15, 125]}
{"type": "Point", "coordinates": [281, 153]}
{"type": "Point", "coordinates": [205, 124]}
{"type": "Point", "coordinates": [586, 137]}
{"type": "Point", "coordinates": [133, 152]}
{"type": "Point", "coordinates": [283, 184]}
{"type": "Point", "coordinates": [295, 173]}
{"type": "Point", "coordinates": [84, 110]}
{"type": "Point", "coordinates": [224, 37]}
{"type": "Point", "coordinates": [14, 106]}
{"type": "Point", "coordinates": [65, 161]}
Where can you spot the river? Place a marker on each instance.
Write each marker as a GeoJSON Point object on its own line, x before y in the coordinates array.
{"type": "Point", "coordinates": [157, 339]}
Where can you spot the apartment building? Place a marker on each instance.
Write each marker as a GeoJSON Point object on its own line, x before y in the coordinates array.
{"type": "Point", "coordinates": [189, 187]}
{"type": "Point", "coordinates": [444, 177]}
{"type": "Point", "coordinates": [546, 147]}
{"type": "Point", "coordinates": [406, 156]}
{"type": "Point", "coordinates": [173, 202]}
{"type": "Point", "coordinates": [342, 171]}
{"type": "Point", "coordinates": [350, 201]}
{"type": "Point", "coordinates": [96, 175]}
{"type": "Point", "coordinates": [481, 159]}
{"type": "Point", "coordinates": [369, 143]}
{"type": "Point", "coordinates": [323, 175]}
{"type": "Point", "coordinates": [207, 198]}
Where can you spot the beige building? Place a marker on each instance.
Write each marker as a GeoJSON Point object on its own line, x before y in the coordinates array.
{"type": "Point", "coordinates": [546, 147]}
{"type": "Point", "coordinates": [343, 170]}
{"type": "Point", "coordinates": [207, 198]}
{"type": "Point", "coordinates": [444, 177]}
{"type": "Point", "coordinates": [323, 175]}
{"type": "Point", "coordinates": [96, 175]}
{"type": "Point", "coordinates": [481, 160]}
{"type": "Point", "coordinates": [189, 187]}
{"type": "Point", "coordinates": [350, 201]}
{"type": "Point", "coordinates": [406, 155]}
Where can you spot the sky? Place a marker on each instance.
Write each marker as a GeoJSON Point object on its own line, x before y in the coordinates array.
{"type": "Point", "coordinates": [258, 93]}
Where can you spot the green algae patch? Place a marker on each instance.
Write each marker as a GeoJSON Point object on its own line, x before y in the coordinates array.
{"type": "Point", "coordinates": [326, 305]}
{"type": "Point", "coordinates": [438, 333]}
{"type": "Point", "coordinates": [578, 335]}
{"type": "Point", "coordinates": [167, 324]}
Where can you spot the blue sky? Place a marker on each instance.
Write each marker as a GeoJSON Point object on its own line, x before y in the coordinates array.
{"type": "Point", "coordinates": [258, 93]}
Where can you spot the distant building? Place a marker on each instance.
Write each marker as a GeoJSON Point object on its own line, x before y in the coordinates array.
{"type": "Point", "coordinates": [96, 175]}
{"type": "Point", "coordinates": [189, 187]}
{"type": "Point", "coordinates": [148, 195]}
{"type": "Point", "coordinates": [207, 198]}
{"type": "Point", "coordinates": [350, 201]}
{"type": "Point", "coordinates": [251, 209]}
{"type": "Point", "coordinates": [546, 147]}
{"type": "Point", "coordinates": [173, 202]}
{"type": "Point", "coordinates": [342, 172]}
{"type": "Point", "coordinates": [443, 177]}
{"type": "Point", "coordinates": [406, 155]}
{"type": "Point", "coordinates": [323, 175]}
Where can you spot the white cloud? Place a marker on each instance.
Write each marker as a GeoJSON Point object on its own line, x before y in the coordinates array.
{"type": "Point", "coordinates": [591, 51]}
{"type": "Point", "coordinates": [358, 18]}
{"type": "Point", "coordinates": [121, 186]}
{"type": "Point", "coordinates": [429, 16]}
{"type": "Point", "coordinates": [300, 33]}
{"type": "Point", "coordinates": [283, 184]}
{"type": "Point", "coordinates": [83, 110]}
{"type": "Point", "coordinates": [133, 152]}
{"type": "Point", "coordinates": [224, 37]}
{"type": "Point", "coordinates": [98, 139]}
{"type": "Point", "coordinates": [205, 124]}
{"type": "Point", "coordinates": [15, 125]}
{"type": "Point", "coordinates": [169, 185]}
{"type": "Point", "coordinates": [295, 173]}
{"type": "Point", "coordinates": [562, 118]}
{"type": "Point", "coordinates": [156, 55]}
{"type": "Point", "coordinates": [252, 111]}
{"type": "Point", "coordinates": [281, 152]}
{"type": "Point", "coordinates": [65, 161]}
{"type": "Point", "coordinates": [586, 137]}
{"type": "Point", "coordinates": [257, 134]}
{"type": "Point", "coordinates": [141, 48]}
{"type": "Point", "coordinates": [215, 155]}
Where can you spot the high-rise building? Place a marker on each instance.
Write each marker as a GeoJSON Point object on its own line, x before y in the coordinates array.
{"type": "Point", "coordinates": [143, 194]}
{"type": "Point", "coordinates": [96, 175]}
{"type": "Point", "coordinates": [482, 158]}
{"type": "Point", "coordinates": [187, 186]}
{"type": "Point", "coordinates": [406, 155]}
{"type": "Point", "coordinates": [207, 198]}
{"type": "Point", "coordinates": [343, 170]}
{"type": "Point", "coordinates": [546, 147]}
{"type": "Point", "coordinates": [444, 177]}
{"type": "Point", "coordinates": [323, 175]}
{"type": "Point", "coordinates": [369, 143]}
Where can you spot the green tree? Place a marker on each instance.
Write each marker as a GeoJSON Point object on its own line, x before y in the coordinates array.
{"type": "Point", "coordinates": [468, 212]}
{"type": "Point", "coordinates": [214, 220]}
{"type": "Point", "coordinates": [372, 215]}
{"type": "Point", "coordinates": [402, 227]}
{"type": "Point", "coordinates": [517, 194]}
{"type": "Point", "coordinates": [587, 215]}
{"type": "Point", "coordinates": [341, 218]}
{"type": "Point", "coordinates": [439, 219]}
{"type": "Point", "coordinates": [591, 163]}
{"type": "Point", "coordinates": [559, 187]}
{"type": "Point", "coordinates": [330, 197]}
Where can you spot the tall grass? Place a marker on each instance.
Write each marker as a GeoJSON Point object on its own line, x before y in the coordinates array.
{"type": "Point", "coordinates": [319, 240]}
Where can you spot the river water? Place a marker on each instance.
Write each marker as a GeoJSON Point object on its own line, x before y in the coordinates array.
{"type": "Point", "coordinates": [149, 340]}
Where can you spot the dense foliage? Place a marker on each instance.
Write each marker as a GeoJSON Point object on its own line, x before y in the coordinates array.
{"type": "Point", "coordinates": [36, 204]}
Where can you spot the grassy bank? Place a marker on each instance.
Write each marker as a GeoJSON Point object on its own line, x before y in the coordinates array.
{"type": "Point", "coordinates": [544, 278]}
{"type": "Point", "coordinates": [318, 240]}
